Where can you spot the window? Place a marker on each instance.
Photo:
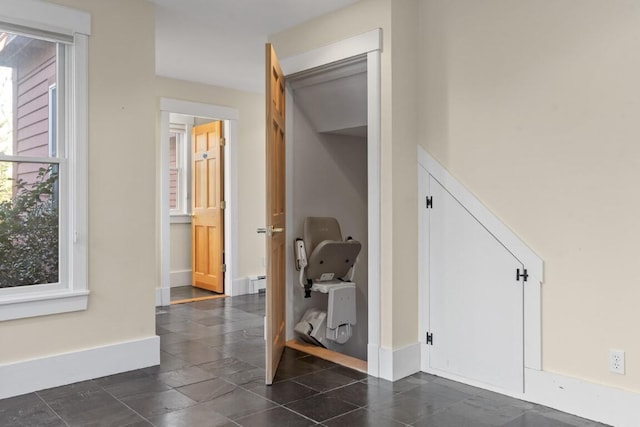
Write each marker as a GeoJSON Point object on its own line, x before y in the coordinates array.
{"type": "Point", "coordinates": [43, 123]}
{"type": "Point", "coordinates": [178, 168]}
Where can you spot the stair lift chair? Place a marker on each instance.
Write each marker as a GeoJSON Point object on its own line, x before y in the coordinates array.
{"type": "Point", "coordinates": [327, 264]}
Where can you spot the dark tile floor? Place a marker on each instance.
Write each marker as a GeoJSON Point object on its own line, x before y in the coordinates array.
{"type": "Point", "coordinates": [186, 292]}
{"type": "Point", "coordinates": [212, 374]}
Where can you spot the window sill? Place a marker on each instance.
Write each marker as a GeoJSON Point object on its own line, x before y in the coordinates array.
{"type": "Point", "coordinates": [180, 219]}
{"type": "Point", "coordinates": [42, 304]}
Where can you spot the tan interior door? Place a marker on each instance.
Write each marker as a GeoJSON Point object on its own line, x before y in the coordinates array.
{"type": "Point", "coordinates": [275, 236]}
{"type": "Point", "coordinates": [207, 231]}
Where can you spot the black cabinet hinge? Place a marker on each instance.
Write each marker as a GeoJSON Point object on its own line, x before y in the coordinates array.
{"type": "Point", "coordinates": [522, 276]}
{"type": "Point", "coordinates": [429, 202]}
{"type": "Point", "coordinates": [429, 338]}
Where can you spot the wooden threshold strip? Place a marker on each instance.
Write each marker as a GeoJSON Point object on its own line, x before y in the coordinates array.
{"type": "Point", "coordinates": [330, 355]}
{"type": "Point", "coordinates": [183, 301]}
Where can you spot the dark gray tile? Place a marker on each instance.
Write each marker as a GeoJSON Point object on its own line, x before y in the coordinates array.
{"type": "Point", "coordinates": [437, 395]}
{"type": "Point", "coordinates": [404, 408]}
{"type": "Point", "coordinates": [169, 362]}
{"type": "Point", "coordinates": [474, 411]}
{"type": "Point", "coordinates": [140, 423]}
{"type": "Point", "coordinates": [564, 417]}
{"type": "Point", "coordinates": [136, 386]}
{"type": "Point", "coordinates": [201, 415]}
{"type": "Point", "coordinates": [171, 338]}
{"type": "Point", "coordinates": [292, 368]}
{"type": "Point", "coordinates": [361, 394]}
{"type": "Point", "coordinates": [320, 408]}
{"type": "Point", "coordinates": [185, 376]}
{"type": "Point", "coordinates": [282, 392]}
{"type": "Point", "coordinates": [278, 416]}
{"type": "Point", "coordinates": [243, 348]}
{"type": "Point", "coordinates": [207, 390]}
{"type": "Point", "coordinates": [324, 380]}
{"type": "Point", "coordinates": [448, 418]}
{"type": "Point", "coordinates": [225, 367]}
{"type": "Point", "coordinates": [27, 410]}
{"type": "Point", "coordinates": [239, 403]}
{"type": "Point", "coordinates": [209, 320]}
{"type": "Point", "coordinates": [399, 386]}
{"type": "Point", "coordinates": [361, 417]}
{"type": "Point", "coordinates": [215, 341]}
{"type": "Point", "coordinates": [534, 419]}
{"type": "Point", "coordinates": [86, 404]}
{"type": "Point", "coordinates": [245, 377]}
{"type": "Point", "coordinates": [84, 387]}
{"type": "Point", "coordinates": [290, 353]}
{"type": "Point", "coordinates": [121, 378]}
{"type": "Point", "coordinates": [162, 331]}
{"type": "Point", "coordinates": [351, 373]}
{"type": "Point", "coordinates": [197, 356]}
{"type": "Point", "coordinates": [152, 404]}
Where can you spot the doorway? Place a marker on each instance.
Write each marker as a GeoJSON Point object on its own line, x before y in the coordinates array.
{"type": "Point", "coordinates": [366, 48]}
{"type": "Point", "coordinates": [329, 176]}
{"type": "Point", "coordinates": [198, 114]}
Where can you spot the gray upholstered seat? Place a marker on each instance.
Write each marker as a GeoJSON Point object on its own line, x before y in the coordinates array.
{"type": "Point", "coordinates": [329, 257]}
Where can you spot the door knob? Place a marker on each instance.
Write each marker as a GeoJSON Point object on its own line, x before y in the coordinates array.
{"type": "Point", "coordinates": [269, 230]}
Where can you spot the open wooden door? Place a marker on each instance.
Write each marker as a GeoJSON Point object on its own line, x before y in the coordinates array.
{"type": "Point", "coordinates": [275, 221]}
{"type": "Point", "coordinates": [207, 194]}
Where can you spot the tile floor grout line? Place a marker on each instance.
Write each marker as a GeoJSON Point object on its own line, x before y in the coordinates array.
{"type": "Point", "coordinates": [129, 407]}
{"type": "Point", "coordinates": [52, 410]}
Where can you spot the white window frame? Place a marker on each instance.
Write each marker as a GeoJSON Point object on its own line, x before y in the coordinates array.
{"type": "Point", "coordinates": [181, 214]}
{"type": "Point", "coordinates": [71, 29]}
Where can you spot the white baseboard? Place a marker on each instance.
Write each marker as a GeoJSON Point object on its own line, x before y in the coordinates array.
{"type": "Point", "coordinates": [240, 287]}
{"type": "Point", "coordinates": [584, 399]}
{"type": "Point", "coordinates": [399, 363]}
{"type": "Point", "coordinates": [61, 369]}
{"type": "Point", "coordinates": [596, 402]}
{"type": "Point", "coordinates": [163, 296]}
{"type": "Point", "coordinates": [180, 278]}
{"type": "Point", "coordinates": [373, 360]}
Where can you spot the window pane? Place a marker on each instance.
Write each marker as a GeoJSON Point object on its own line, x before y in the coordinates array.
{"type": "Point", "coordinates": [28, 224]}
{"type": "Point", "coordinates": [27, 95]}
{"type": "Point", "coordinates": [173, 170]}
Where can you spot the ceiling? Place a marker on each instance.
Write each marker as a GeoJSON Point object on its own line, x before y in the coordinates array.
{"type": "Point", "coordinates": [221, 42]}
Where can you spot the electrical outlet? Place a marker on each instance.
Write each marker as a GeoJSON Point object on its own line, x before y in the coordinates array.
{"type": "Point", "coordinates": [616, 361]}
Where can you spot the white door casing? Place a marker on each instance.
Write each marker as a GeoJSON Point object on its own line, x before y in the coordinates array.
{"type": "Point", "coordinates": [369, 44]}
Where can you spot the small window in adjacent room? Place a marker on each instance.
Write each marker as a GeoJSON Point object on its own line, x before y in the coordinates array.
{"type": "Point", "coordinates": [178, 171]}
{"type": "Point", "coordinates": [42, 162]}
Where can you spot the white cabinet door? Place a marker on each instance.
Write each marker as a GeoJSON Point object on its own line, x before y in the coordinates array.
{"type": "Point", "coordinates": [475, 301]}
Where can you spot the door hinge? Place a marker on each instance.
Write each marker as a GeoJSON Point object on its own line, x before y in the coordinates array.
{"type": "Point", "coordinates": [524, 275]}
{"type": "Point", "coordinates": [223, 205]}
{"type": "Point", "coordinates": [429, 338]}
{"type": "Point", "coordinates": [429, 202]}
{"type": "Point", "coordinates": [223, 142]}
{"type": "Point", "coordinates": [224, 268]}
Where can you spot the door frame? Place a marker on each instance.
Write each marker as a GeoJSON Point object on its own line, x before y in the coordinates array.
{"type": "Point", "coordinates": [367, 45]}
{"type": "Point", "coordinates": [215, 112]}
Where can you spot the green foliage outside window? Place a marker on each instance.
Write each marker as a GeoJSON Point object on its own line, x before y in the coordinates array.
{"type": "Point", "coordinates": [29, 232]}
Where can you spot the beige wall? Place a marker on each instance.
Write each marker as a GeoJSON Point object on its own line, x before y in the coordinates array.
{"type": "Point", "coordinates": [251, 161]}
{"type": "Point", "coordinates": [180, 247]}
{"type": "Point", "coordinates": [122, 197]}
{"type": "Point", "coordinates": [398, 215]}
{"type": "Point", "coordinates": [534, 106]}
